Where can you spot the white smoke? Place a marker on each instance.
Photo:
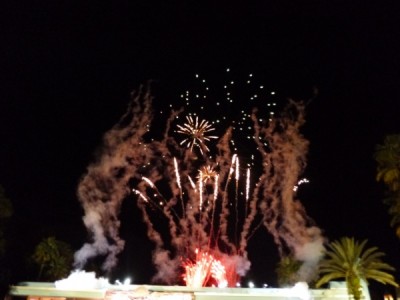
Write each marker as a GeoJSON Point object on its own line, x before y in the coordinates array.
{"type": "Point", "coordinates": [166, 267]}
{"type": "Point", "coordinates": [285, 217]}
{"type": "Point", "coordinates": [81, 280]}
{"type": "Point", "coordinates": [240, 264]}
{"type": "Point", "coordinates": [310, 254]}
{"type": "Point", "coordinates": [105, 184]}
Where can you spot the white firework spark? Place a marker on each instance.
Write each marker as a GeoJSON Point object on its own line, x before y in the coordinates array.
{"type": "Point", "coordinates": [196, 132]}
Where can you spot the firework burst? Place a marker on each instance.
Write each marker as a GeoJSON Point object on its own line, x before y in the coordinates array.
{"type": "Point", "coordinates": [204, 268]}
{"type": "Point", "coordinates": [207, 173]}
{"type": "Point", "coordinates": [196, 132]}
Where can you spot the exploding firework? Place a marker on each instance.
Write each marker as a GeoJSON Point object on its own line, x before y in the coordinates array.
{"type": "Point", "coordinates": [196, 133]}
{"type": "Point", "coordinates": [198, 213]}
{"type": "Point", "coordinates": [204, 268]}
{"type": "Point", "coordinates": [210, 201]}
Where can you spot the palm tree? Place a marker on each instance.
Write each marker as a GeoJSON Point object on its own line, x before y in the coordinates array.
{"type": "Point", "coordinates": [387, 157]}
{"type": "Point", "coordinates": [54, 258]}
{"type": "Point", "coordinates": [286, 271]}
{"type": "Point", "coordinates": [350, 260]}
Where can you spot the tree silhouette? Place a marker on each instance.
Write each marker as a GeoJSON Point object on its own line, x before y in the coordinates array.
{"type": "Point", "coordinates": [387, 157]}
{"type": "Point", "coordinates": [350, 260]}
{"type": "Point", "coordinates": [54, 258]}
{"type": "Point", "coordinates": [286, 271]}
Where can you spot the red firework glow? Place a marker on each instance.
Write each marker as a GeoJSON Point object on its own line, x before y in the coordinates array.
{"type": "Point", "coordinates": [204, 270]}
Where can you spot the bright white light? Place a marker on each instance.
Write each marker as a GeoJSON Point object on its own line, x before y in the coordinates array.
{"type": "Point", "coordinates": [82, 280]}
{"type": "Point", "coordinates": [223, 284]}
{"type": "Point", "coordinates": [250, 284]}
{"type": "Point", "coordinates": [300, 290]}
{"type": "Point", "coordinates": [127, 281]}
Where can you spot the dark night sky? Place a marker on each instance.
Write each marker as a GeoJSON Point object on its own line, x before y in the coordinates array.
{"type": "Point", "coordinates": [67, 69]}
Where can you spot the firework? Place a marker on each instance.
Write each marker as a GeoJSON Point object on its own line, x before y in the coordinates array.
{"type": "Point", "coordinates": [199, 194]}
{"type": "Point", "coordinates": [196, 133]}
{"type": "Point", "coordinates": [197, 273]}
{"type": "Point", "coordinates": [204, 268]}
{"type": "Point", "coordinates": [207, 173]}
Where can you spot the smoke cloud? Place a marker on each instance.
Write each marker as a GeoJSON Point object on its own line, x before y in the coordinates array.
{"type": "Point", "coordinates": [105, 185]}
{"type": "Point", "coordinates": [285, 217]}
{"type": "Point", "coordinates": [203, 194]}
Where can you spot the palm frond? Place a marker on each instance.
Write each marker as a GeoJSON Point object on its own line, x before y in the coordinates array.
{"type": "Point", "coordinates": [349, 259]}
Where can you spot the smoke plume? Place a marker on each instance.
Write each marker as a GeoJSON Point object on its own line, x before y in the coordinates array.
{"type": "Point", "coordinates": [195, 184]}
{"type": "Point", "coordinates": [284, 160]}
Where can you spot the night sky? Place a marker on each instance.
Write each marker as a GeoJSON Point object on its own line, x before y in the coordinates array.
{"type": "Point", "coordinates": [68, 67]}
